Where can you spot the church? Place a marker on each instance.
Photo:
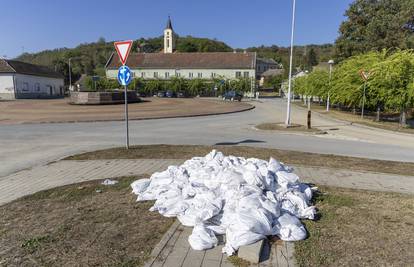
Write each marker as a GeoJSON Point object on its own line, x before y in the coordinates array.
{"type": "Point", "coordinates": [207, 65]}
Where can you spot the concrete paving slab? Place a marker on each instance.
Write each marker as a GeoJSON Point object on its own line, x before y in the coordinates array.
{"type": "Point", "coordinates": [251, 252]}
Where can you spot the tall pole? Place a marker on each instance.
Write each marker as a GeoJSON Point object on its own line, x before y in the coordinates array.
{"type": "Point", "coordinates": [329, 90]}
{"type": "Point", "coordinates": [126, 117]}
{"type": "Point", "coordinates": [70, 76]}
{"type": "Point", "coordinates": [287, 122]}
{"type": "Point", "coordinates": [363, 100]}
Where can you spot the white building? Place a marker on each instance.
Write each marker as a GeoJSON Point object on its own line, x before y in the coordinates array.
{"type": "Point", "coordinates": [23, 80]}
{"type": "Point", "coordinates": [169, 63]}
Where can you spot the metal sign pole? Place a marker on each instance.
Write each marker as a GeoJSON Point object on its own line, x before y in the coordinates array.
{"type": "Point", "coordinates": [126, 116]}
{"type": "Point", "coordinates": [363, 100]}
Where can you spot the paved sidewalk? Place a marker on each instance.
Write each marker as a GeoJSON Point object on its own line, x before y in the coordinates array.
{"type": "Point", "coordinates": [174, 251]}
{"type": "Point", "coordinates": [73, 171]}
{"type": "Point", "coordinates": [65, 172]}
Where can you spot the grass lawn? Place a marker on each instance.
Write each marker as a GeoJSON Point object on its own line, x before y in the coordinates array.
{"type": "Point", "coordinates": [359, 228]}
{"type": "Point", "coordinates": [86, 224]}
{"type": "Point", "coordinates": [292, 129]}
{"type": "Point", "coordinates": [356, 118]}
{"type": "Point", "coordinates": [289, 157]}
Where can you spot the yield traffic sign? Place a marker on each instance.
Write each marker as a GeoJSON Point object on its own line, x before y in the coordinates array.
{"type": "Point", "coordinates": [123, 48]}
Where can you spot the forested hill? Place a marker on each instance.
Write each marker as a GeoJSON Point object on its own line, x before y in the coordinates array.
{"type": "Point", "coordinates": [90, 58]}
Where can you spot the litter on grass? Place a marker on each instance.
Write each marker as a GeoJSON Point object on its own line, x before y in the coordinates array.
{"type": "Point", "coordinates": [246, 199]}
{"type": "Point", "coordinates": [109, 182]}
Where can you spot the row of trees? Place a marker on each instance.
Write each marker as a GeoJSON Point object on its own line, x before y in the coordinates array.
{"type": "Point", "coordinates": [389, 87]}
{"type": "Point", "coordinates": [191, 87]}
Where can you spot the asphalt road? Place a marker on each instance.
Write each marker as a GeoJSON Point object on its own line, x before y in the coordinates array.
{"type": "Point", "coordinates": [24, 146]}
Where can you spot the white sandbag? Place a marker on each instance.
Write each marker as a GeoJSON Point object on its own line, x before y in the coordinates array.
{"type": "Point", "coordinates": [139, 186]}
{"type": "Point", "coordinates": [202, 238]}
{"type": "Point", "coordinates": [247, 199]}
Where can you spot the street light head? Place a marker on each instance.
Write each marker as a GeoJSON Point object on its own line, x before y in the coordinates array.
{"type": "Point", "coordinates": [331, 62]}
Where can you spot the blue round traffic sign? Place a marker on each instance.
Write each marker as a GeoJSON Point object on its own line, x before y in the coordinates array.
{"type": "Point", "coordinates": [124, 75]}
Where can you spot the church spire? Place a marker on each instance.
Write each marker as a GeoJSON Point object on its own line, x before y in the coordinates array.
{"type": "Point", "coordinates": [169, 24]}
{"type": "Point", "coordinates": [169, 38]}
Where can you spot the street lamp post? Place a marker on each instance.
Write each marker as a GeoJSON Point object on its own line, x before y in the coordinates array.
{"type": "Point", "coordinates": [70, 76]}
{"type": "Point", "coordinates": [287, 122]}
{"type": "Point", "coordinates": [330, 62]}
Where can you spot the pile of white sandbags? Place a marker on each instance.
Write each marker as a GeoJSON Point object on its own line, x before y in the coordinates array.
{"type": "Point", "coordinates": [246, 199]}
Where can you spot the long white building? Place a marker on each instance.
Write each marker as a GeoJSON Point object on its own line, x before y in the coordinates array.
{"type": "Point", "coordinates": [24, 80]}
{"type": "Point", "coordinates": [168, 63]}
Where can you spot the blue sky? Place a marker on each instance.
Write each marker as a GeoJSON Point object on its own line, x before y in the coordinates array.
{"type": "Point", "coordinates": [47, 24]}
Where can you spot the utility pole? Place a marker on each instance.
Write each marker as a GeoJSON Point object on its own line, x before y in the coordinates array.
{"type": "Point", "coordinates": [287, 122]}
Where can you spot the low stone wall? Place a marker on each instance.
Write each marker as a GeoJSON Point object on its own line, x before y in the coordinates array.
{"type": "Point", "coordinates": [102, 98]}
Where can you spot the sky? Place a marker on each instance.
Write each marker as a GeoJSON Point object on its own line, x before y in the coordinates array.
{"type": "Point", "coordinates": [33, 26]}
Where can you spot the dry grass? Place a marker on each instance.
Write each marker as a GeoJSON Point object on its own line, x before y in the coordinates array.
{"type": "Point", "coordinates": [289, 157]}
{"type": "Point", "coordinates": [291, 129]}
{"type": "Point", "coordinates": [77, 226]}
{"type": "Point", "coordinates": [359, 228]}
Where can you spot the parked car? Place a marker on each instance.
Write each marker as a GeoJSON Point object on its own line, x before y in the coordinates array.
{"type": "Point", "coordinates": [142, 94]}
{"type": "Point", "coordinates": [170, 94]}
{"type": "Point", "coordinates": [232, 95]}
{"type": "Point", "coordinates": [181, 95]}
{"type": "Point", "coordinates": [161, 94]}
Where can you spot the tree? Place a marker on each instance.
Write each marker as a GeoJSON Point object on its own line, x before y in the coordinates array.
{"type": "Point", "coordinates": [311, 59]}
{"type": "Point", "coordinates": [196, 86]}
{"type": "Point", "coordinates": [394, 79]}
{"type": "Point", "coordinates": [347, 85]}
{"type": "Point", "coordinates": [375, 25]}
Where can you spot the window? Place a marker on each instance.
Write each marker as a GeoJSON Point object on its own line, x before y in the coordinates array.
{"type": "Point", "coordinates": [178, 74]}
{"type": "Point", "coordinates": [238, 74]}
{"type": "Point", "coordinates": [37, 87]}
{"type": "Point", "coordinates": [190, 75]}
{"type": "Point", "coordinates": [155, 74]}
{"type": "Point", "coordinates": [213, 75]}
{"type": "Point", "coordinates": [200, 75]}
{"type": "Point", "coordinates": [25, 87]}
{"type": "Point", "coordinates": [246, 74]}
{"type": "Point", "coordinates": [167, 75]}
{"type": "Point", "coordinates": [168, 42]}
{"type": "Point", "coordinates": [142, 74]}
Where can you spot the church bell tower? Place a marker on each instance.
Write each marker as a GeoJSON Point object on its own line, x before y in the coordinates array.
{"type": "Point", "coordinates": [169, 37]}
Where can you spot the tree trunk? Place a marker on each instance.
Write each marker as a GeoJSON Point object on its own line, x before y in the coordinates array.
{"type": "Point", "coordinates": [354, 110]}
{"type": "Point", "coordinates": [403, 118]}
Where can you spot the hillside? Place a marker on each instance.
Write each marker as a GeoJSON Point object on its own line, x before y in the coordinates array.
{"type": "Point", "coordinates": [90, 58]}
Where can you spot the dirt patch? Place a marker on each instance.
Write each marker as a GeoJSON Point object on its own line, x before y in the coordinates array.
{"type": "Point", "coordinates": [85, 224]}
{"type": "Point", "coordinates": [290, 157]}
{"type": "Point", "coordinates": [291, 129]}
{"type": "Point", "coordinates": [359, 228]}
{"type": "Point", "coordinates": [58, 110]}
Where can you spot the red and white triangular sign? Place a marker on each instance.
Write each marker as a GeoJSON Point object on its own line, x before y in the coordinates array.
{"type": "Point", "coordinates": [123, 48]}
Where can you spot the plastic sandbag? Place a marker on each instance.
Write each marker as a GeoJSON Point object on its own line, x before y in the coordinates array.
{"type": "Point", "coordinates": [202, 238]}
{"type": "Point", "coordinates": [246, 199]}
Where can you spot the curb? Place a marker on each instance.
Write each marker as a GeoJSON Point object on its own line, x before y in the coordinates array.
{"type": "Point", "coordinates": [161, 245]}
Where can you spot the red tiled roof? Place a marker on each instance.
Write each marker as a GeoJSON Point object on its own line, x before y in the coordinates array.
{"type": "Point", "coordinates": [214, 60]}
